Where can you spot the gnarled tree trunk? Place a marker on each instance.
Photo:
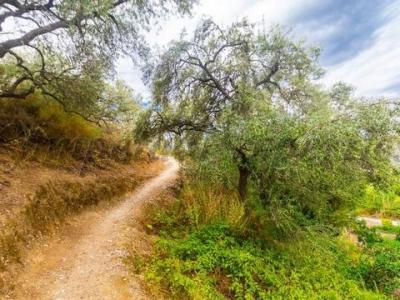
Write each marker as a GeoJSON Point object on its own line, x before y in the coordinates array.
{"type": "Point", "coordinates": [244, 174]}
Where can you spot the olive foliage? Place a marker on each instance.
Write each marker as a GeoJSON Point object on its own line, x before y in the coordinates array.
{"type": "Point", "coordinates": [245, 105]}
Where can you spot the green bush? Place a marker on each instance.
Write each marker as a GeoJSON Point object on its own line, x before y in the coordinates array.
{"type": "Point", "coordinates": [380, 266]}
{"type": "Point", "coordinates": [366, 235]}
{"type": "Point", "coordinates": [213, 263]}
{"type": "Point", "coordinates": [388, 226]}
{"type": "Point", "coordinates": [201, 254]}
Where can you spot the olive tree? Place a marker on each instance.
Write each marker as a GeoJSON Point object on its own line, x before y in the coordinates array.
{"type": "Point", "coordinates": [196, 80]}
{"type": "Point", "coordinates": [245, 105]}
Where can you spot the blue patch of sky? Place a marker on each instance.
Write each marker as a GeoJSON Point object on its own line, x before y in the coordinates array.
{"type": "Point", "coordinates": [393, 88]}
{"type": "Point", "coordinates": [355, 22]}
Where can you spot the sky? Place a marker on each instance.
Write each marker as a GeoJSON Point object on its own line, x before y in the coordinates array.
{"type": "Point", "coordinates": [360, 39]}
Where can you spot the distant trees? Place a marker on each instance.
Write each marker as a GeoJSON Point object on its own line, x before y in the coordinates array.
{"type": "Point", "coordinates": [244, 104]}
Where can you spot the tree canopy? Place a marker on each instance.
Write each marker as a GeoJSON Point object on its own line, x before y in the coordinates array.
{"type": "Point", "coordinates": [105, 27]}
{"type": "Point", "coordinates": [245, 105]}
{"type": "Point", "coordinates": [217, 67]}
{"type": "Point", "coordinates": [61, 41]}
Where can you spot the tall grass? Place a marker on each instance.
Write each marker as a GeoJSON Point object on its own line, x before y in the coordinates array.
{"type": "Point", "coordinates": [211, 205]}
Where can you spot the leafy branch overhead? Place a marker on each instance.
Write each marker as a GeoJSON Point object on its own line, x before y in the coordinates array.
{"type": "Point", "coordinates": [101, 25]}
{"type": "Point", "coordinates": [85, 32]}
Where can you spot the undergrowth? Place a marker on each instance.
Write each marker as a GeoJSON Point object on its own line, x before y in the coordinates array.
{"type": "Point", "coordinates": [205, 251]}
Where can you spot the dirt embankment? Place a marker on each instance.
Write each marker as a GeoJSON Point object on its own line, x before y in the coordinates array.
{"type": "Point", "coordinates": [21, 178]}
{"type": "Point", "coordinates": [36, 199]}
{"type": "Point", "coordinates": [85, 260]}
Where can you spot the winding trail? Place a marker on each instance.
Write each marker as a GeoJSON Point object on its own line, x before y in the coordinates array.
{"type": "Point", "coordinates": [85, 261]}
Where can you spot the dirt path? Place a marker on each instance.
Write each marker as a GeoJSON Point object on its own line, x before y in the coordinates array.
{"type": "Point", "coordinates": [377, 221]}
{"type": "Point", "coordinates": [84, 261]}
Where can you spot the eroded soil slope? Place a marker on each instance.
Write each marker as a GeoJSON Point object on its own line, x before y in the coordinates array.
{"type": "Point", "coordinates": [84, 261]}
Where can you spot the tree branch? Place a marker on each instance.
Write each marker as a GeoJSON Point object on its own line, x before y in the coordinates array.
{"type": "Point", "coordinates": [29, 36]}
{"type": "Point", "coordinates": [23, 9]}
{"type": "Point", "coordinates": [267, 79]}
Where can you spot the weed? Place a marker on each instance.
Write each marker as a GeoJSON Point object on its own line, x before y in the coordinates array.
{"type": "Point", "coordinates": [385, 203]}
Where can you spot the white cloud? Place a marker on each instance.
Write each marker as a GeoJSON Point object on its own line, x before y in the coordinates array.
{"type": "Point", "coordinates": [371, 71]}
{"type": "Point", "coordinates": [377, 67]}
{"type": "Point", "coordinates": [225, 12]}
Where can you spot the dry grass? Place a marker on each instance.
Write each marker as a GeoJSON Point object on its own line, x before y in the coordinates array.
{"type": "Point", "coordinates": [194, 204]}
{"type": "Point", "coordinates": [204, 205]}
{"type": "Point", "coordinates": [22, 175]}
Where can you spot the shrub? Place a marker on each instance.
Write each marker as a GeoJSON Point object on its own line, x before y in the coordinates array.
{"type": "Point", "coordinates": [388, 226]}
{"type": "Point", "coordinates": [40, 122]}
{"type": "Point", "coordinates": [213, 263]}
{"type": "Point", "coordinates": [380, 266]}
{"type": "Point", "coordinates": [366, 235]}
{"type": "Point", "coordinates": [39, 118]}
{"type": "Point", "coordinates": [386, 203]}
{"type": "Point", "coordinates": [202, 254]}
